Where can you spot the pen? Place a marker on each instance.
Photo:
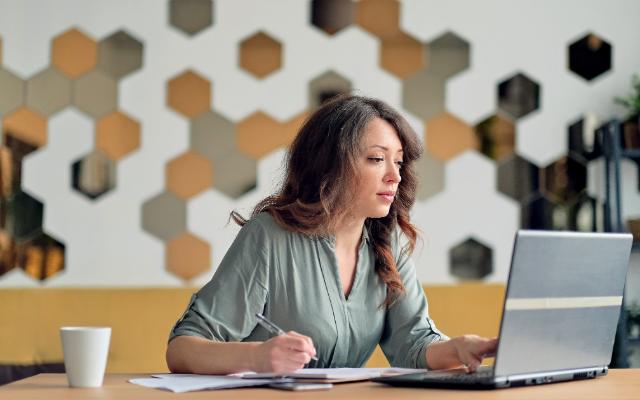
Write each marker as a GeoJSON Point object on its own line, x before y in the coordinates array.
{"type": "Point", "coordinates": [273, 328]}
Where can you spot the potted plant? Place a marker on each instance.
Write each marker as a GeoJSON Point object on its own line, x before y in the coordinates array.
{"type": "Point", "coordinates": [631, 125]}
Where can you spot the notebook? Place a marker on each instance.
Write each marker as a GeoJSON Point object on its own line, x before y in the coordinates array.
{"type": "Point", "coordinates": [330, 375]}
{"type": "Point", "coordinates": [560, 314]}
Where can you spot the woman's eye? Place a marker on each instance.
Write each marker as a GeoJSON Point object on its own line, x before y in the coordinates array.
{"type": "Point", "coordinates": [399, 164]}
{"type": "Point", "coordinates": [376, 159]}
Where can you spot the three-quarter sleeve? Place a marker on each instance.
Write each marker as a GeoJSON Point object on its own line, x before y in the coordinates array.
{"type": "Point", "coordinates": [223, 309]}
{"type": "Point", "coordinates": [408, 329]}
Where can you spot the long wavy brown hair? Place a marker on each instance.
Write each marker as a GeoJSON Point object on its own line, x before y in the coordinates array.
{"type": "Point", "coordinates": [321, 173]}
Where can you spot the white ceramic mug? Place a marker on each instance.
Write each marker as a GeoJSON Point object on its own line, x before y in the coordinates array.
{"type": "Point", "coordinates": [85, 352]}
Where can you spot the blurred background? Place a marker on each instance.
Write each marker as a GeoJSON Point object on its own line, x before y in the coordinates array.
{"type": "Point", "coordinates": [130, 130]}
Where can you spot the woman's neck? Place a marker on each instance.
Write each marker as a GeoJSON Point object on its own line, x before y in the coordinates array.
{"type": "Point", "coordinates": [349, 233]}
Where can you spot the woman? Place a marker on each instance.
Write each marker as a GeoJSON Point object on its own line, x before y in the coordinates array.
{"type": "Point", "coordinates": [327, 259]}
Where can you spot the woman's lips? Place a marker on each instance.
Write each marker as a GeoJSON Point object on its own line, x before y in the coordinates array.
{"type": "Point", "coordinates": [387, 196]}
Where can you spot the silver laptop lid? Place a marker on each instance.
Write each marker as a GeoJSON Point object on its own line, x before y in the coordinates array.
{"type": "Point", "coordinates": [563, 301]}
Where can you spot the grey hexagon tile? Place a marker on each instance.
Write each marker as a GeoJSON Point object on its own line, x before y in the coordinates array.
{"type": "Point", "coordinates": [423, 94]}
{"type": "Point", "coordinates": [212, 135]}
{"type": "Point", "coordinates": [164, 216]}
{"type": "Point", "coordinates": [518, 96]}
{"type": "Point", "coordinates": [49, 91]}
{"type": "Point", "coordinates": [93, 175]}
{"type": "Point", "coordinates": [119, 54]}
{"type": "Point", "coordinates": [448, 55]}
{"type": "Point", "coordinates": [96, 94]}
{"type": "Point", "coordinates": [239, 176]}
{"type": "Point", "coordinates": [471, 260]}
{"type": "Point", "coordinates": [326, 86]}
{"type": "Point", "coordinates": [331, 16]}
{"type": "Point", "coordinates": [12, 92]}
{"type": "Point", "coordinates": [191, 16]}
{"type": "Point", "coordinates": [518, 178]}
{"type": "Point", "coordinates": [590, 56]}
{"type": "Point", "coordinates": [430, 177]}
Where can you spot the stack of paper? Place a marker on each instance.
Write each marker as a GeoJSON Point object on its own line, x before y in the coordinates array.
{"type": "Point", "coordinates": [332, 375]}
{"type": "Point", "coordinates": [180, 383]}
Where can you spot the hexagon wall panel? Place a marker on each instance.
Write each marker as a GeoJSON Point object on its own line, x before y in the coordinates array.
{"type": "Point", "coordinates": [590, 56]}
{"type": "Point", "coordinates": [331, 16]}
{"type": "Point", "coordinates": [188, 256]}
{"type": "Point", "coordinates": [189, 175]}
{"type": "Point", "coordinates": [119, 54]}
{"type": "Point", "coordinates": [74, 53]}
{"type": "Point", "coordinates": [191, 16]}
{"type": "Point", "coordinates": [260, 55]}
{"type": "Point", "coordinates": [189, 94]}
{"type": "Point", "coordinates": [471, 260]}
{"type": "Point", "coordinates": [159, 66]}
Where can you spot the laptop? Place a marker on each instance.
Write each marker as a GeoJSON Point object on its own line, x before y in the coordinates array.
{"type": "Point", "coordinates": [560, 314]}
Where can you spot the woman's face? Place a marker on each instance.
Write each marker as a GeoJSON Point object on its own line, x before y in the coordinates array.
{"type": "Point", "coordinates": [378, 170]}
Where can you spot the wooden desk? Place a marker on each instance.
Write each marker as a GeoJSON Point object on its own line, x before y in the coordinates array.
{"type": "Point", "coordinates": [619, 384]}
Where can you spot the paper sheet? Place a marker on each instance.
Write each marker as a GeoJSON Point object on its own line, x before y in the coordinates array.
{"type": "Point", "coordinates": [180, 383]}
{"type": "Point", "coordinates": [332, 373]}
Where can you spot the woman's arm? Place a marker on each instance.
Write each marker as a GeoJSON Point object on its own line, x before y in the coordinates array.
{"type": "Point", "coordinates": [197, 355]}
{"type": "Point", "coordinates": [467, 351]}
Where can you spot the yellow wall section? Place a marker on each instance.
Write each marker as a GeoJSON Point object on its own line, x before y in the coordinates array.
{"type": "Point", "coordinates": [141, 320]}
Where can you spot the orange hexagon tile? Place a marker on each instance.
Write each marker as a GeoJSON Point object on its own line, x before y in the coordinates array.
{"type": "Point", "coordinates": [380, 17]}
{"type": "Point", "coordinates": [188, 256]}
{"type": "Point", "coordinates": [117, 135]}
{"type": "Point", "coordinates": [448, 136]}
{"type": "Point", "coordinates": [189, 174]}
{"type": "Point", "coordinates": [258, 135]}
{"type": "Point", "coordinates": [189, 94]}
{"type": "Point", "coordinates": [27, 126]}
{"type": "Point", "coordinates": [402, 55]}
{"type": "Point", "coordinates": [260, 55]}
{"type": "Point", "coordinates": [74, 53]}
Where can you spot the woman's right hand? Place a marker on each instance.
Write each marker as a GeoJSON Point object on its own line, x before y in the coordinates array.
{"type": "Point", "coordinates": [284, 353]}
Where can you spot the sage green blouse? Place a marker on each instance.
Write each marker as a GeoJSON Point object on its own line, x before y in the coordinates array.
{"type": "Point", "coordinates": [293, 280]}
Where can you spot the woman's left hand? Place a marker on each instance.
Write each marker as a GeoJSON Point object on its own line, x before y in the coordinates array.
{"type": "Point", "coordinates": [470, 350]}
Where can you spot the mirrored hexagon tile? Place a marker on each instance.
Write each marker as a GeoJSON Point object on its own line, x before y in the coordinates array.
{"type": "Point", "coordinates": [237, 176]}
{"type": "Point", "coordinates": [496, 137]}
{"type": "Point", "coordinates": [448, 136]}
{"type": "Point", "coordinates": [12, 153]}
{"type": "Point", "coordinates": [326, 86]}
{"type": "Point", "coordinates": [96, 94]}
{"type": "Point", "coordinates": [12, 93]}
{"type": "Point", "coordinates": [582, 141]}
{"type": "Point", "coordinates": [48, 92]}
{"type": "Point", "coordinates": [93, 175]}
{"type": "Point", "coordinates": [189, 94]}
{"type": "Point", "coordinates": [518, 96]}
{"type": "Point", "coordinates": [74, 53]}
{"type": "Point", "coordinates": [164, 216]}
{"type": "Point", "coordinates": [538, 212]}
{"type": "Point", "coordinates": [22, 216]}
{"type": "Point", "coordinates": [565, 179]}
{"type": "Point", "coordinates": [188, 256]}
{"type": "Point", "coordinates": [331, 16]}
{"type": "Point", "coordinates": [119, 54]}
{"type": "Point", "coordinates": [518, 178]}
{"type": "Point", "coordinates": [260, 55]}
{"type": "Point", "coordinates": [471, 260]}
{"type": "Point", "coordinates": [590, 56]}
{"type": "Point", "coordinates": [191, 16]}
{"type": "Point", "coordinates": [189, 174]}
{"type": "Point", "coordinates": [117, 135]}
{"type": "Point", "coordinates": [41, 257]}
{"type": "Point", "coordinates": [448, 55]}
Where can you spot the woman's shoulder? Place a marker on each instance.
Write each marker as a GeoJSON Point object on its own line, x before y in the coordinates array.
{"type": "Point", "coordinates": [264, 223]}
